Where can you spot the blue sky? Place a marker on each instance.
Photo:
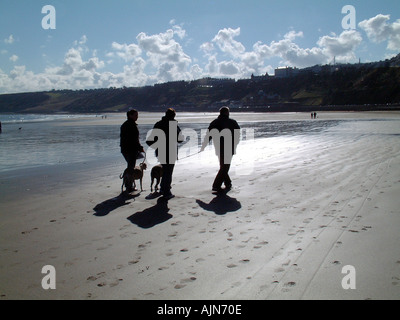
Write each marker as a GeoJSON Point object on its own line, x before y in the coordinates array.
{"type": "Point", "coordinates": [103, 43]}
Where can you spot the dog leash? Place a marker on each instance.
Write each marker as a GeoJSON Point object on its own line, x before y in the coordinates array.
{"type": "Point", "coordinates": [191, 155]}
{"type": "Point", "coordinates": [145, 155]}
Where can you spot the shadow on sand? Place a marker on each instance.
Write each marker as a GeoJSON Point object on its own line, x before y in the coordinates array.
{"type": "Point", "coordinates": [152, 216]}
{"type": "Point", "coordinates": [104, 208]}
{"type": "Point", "coordinates": [221, 204]}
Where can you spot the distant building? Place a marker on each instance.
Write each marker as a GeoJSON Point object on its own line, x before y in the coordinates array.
{"type": "Point", "coordinates": [259, 78]}
{"type": "Point", "coordinates": [286, 72]}
{"type": "Point", "coordinates": [212, 82]}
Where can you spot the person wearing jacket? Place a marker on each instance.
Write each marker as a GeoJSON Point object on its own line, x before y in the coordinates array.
{"type": "Point", "coordinates": [225, 133]}
{"type": "Point", "coordinates": [129, 139]}
{"type": "Point", "coordinates": [164, 138]}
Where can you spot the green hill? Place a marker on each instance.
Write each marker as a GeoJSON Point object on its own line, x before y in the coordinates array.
{"type": "Point", "coordinates": [369, 86]}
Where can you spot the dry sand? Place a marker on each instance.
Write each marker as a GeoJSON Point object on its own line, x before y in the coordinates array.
{"type": "Point", "coordinates": [302, 208]}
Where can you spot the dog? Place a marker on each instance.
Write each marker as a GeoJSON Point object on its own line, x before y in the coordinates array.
{"type": "Point", "coordinates": [130, 175]}
{"type": "Point", "coordinates": [156, 173]}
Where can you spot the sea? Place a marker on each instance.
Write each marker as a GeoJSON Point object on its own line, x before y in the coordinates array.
{"type": "Point", "coordinates": [32, 140]}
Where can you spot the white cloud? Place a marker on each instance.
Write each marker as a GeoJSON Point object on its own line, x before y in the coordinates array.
{"type": "Point", "coordinates": [75, 73]}
{"type": "Point", "coordinates": [292, 35]}
{"type": "Point", "coordinates": [226, 43]}
{"type": "Point", "coordinates": [83, 40]}
{"type": "Point", "coordinates": [379, 30]}
{"type": "Point", "coordinates": [327, 48]}
{"type": "Point", "coordinates": [14, 58]}
{"type": "Point", "coordinates": [165, 55]}
{"type": "Point", "coordinates": [342, 47]}
{"type": "Point", "coordinates": [10, 39]}
{"type": "Point", "coordinates": [179, 31]}
{"type": "Point", "coordinates": [294, 55]}
{"type": "Point", "coordinates": [153, 58]}
{"type": "Point", "coordinates": [125, 51]}
{"type": "Point", "coordinates": [80, 42]}
{"type": "Point", "coordinates": [229, 68]}
{"type": "Point", "coordinates": [243, 63]}
{"type": "Point", "coordinates": [240, 63]}
{"type": "Point", "coordinates": [207, 47]}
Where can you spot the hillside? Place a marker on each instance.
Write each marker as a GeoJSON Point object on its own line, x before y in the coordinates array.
{"type": "Point", "coordinates": [367, 86]}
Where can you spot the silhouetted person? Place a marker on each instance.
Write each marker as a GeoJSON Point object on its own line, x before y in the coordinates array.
{"type": "Point", "coordinates": [0, 126]}
{"type": "Point", "coordinates": [164, 138]}
{"type": "Point", "coordinates": [225, 133]}
{"type": "Point", "coordinates": [129, 142]}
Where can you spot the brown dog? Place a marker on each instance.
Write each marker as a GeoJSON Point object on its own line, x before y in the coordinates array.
{"type": "Point", "coordinates": [129, 176]}
{"type": "Point", "coordinates": [156, 173]}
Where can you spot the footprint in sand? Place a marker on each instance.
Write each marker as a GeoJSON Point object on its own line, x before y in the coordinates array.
{"type": "Point", "coordinates": [183, 282]}
{"type": "Point", "coordinates": [188, 280]}
{"type": "Point", "coordinates": [29, 231]}
{"type": "Point", "coordinates": [260, 244]}
{"type": "Point", "coordinates": [162, 268]}
{"type": "Point", "coordinates": [290, 284]}
{"type": "Point", "coordinates": [134, 261]}
{"type": "Point", "coordinates": [104, 247]}
{"type": "Point", "coordinates": [100, 275]}
{"type": "Point", "coordinates": [236, 284]}
{"type": "Point", "coordinates": [114, 283]}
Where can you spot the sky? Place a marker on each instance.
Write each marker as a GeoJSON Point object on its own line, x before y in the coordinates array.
{"type": "Point", "coordinates": [89, 44]}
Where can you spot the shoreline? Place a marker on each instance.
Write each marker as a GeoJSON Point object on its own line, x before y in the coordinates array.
{"type": "Point", "coordinates": [192, 117]}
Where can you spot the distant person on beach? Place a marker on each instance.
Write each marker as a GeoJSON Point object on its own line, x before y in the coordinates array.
{"type": "Point", "coordinates": [225, 133]}
{"type": "Point", "coordinates": [0, 126]}
{"type": "Point", "coordinates": [129, 139]}
{"type": "Point", "coordinates": [164, 139]}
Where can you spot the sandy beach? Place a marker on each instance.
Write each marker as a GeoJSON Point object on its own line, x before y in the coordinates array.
{"type": "Point", "coordinates": [303, 206]}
